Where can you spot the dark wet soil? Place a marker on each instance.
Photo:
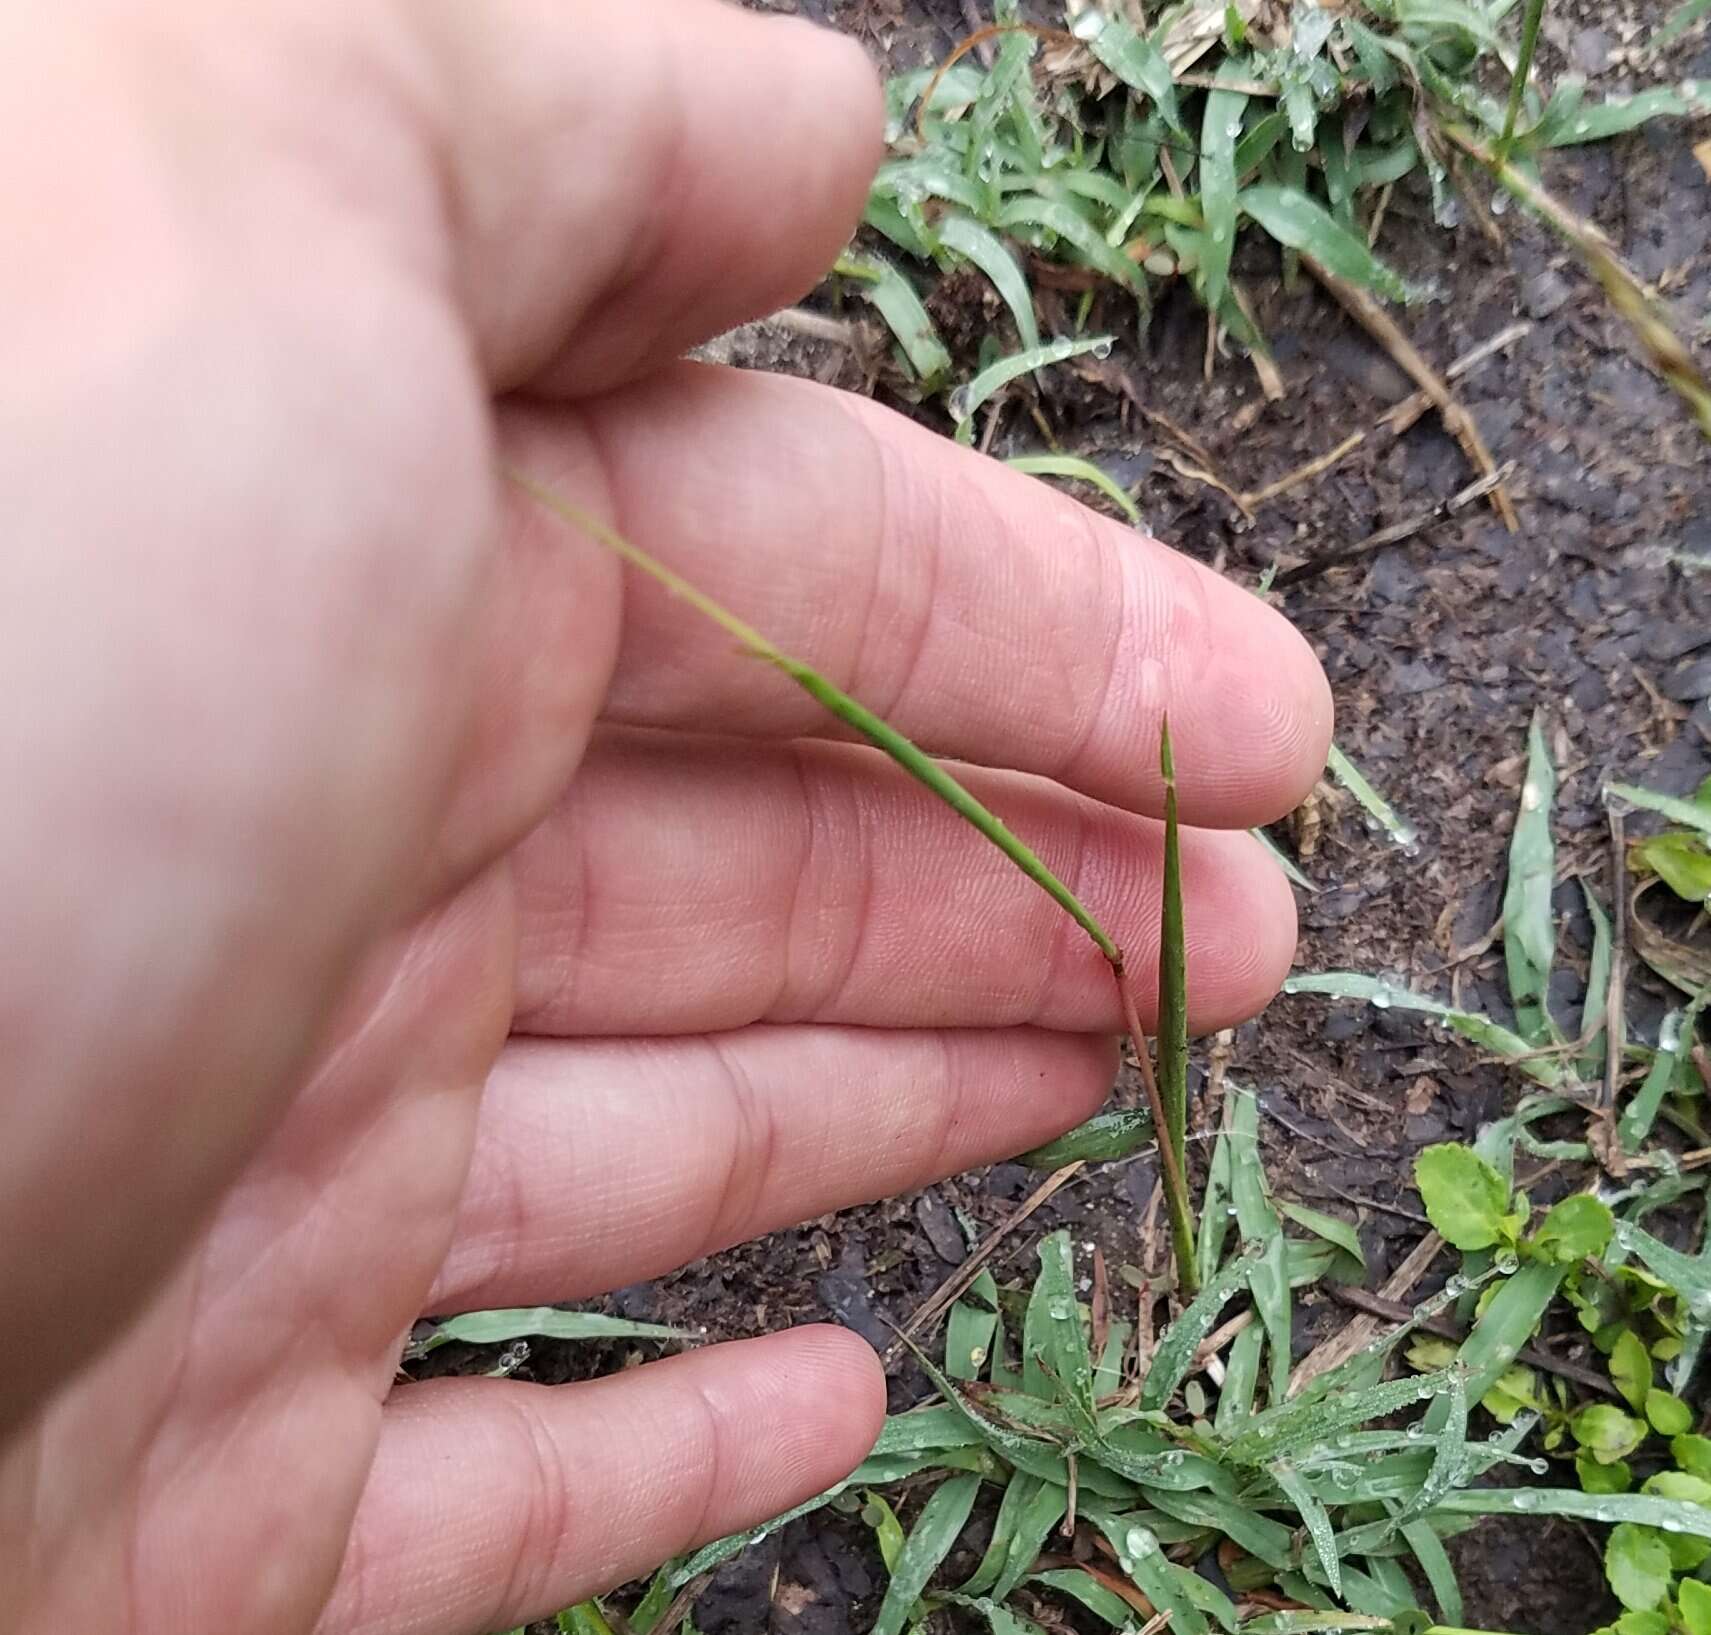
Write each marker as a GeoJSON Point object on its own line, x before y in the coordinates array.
{"type": "Point", "coordinates": [1598, 611]}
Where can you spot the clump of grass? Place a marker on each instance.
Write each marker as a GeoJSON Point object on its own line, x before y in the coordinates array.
{"type": "Point", "coordinates": [1135, 157]}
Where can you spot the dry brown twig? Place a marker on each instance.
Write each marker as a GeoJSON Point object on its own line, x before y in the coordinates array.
{"type": "Point", "coordinates": [959, 1282]}
{"type": "Point", "coordinates": [1395, 420]}
{"type": "Point", "coordinates": [1457, 421]}
{"type": "Point", "coordinates": [1339, 1347]}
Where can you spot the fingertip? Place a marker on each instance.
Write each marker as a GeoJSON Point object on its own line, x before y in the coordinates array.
{"type": "Point", "coordinates": [842, 1383]}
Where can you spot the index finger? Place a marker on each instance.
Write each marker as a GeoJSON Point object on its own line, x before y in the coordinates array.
{"type": "Point", "coordinates": [982, 613]}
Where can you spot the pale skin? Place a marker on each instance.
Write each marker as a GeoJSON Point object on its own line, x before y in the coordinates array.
{"type": "Point", "coordinates": [380, 937]}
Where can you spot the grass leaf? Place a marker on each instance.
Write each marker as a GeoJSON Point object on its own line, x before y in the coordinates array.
{"type": "Point", "coordinates": [930, 1540]}
{"type": "Point", "coordinates": [1675, 1041]}
{"type": "Point", "coordinates": [1643, 1509]}
{"type": "Point", "coordinates": [1139, 64]}
{"type": "Point", "coordinates": [1480, 1029]}
{"type": "Point", "coordinates": [1258, 1222]}
{"type": "Point", "coordinates": [1241, 1375]}
{"type": "Point", "coordinates": [1220, 126]}
{"type": "Point", "coordinates": [1173, 1017]}
{"type": "Point", "coordinates": [1529, 927]}
{"type": "Point", "coordinates": [1075, 469]}
{"type": "Point", "coordinates": [1315, 1518]}
{"type": "Point", "coordinates": [1377, 807]}
{"type": "Point", "coordinates": [542, 1322]}
{"type": "Point", "coordinates": [1435, 1565]}
{"type": "Point", "coordinates": [886, 287]}
{"type": "Point", "coordinates": [1302, 223]}
{"type": "Point", "coordinates": [1687, 812]}
{"type": "Point", "coordinates": [969, 1329]}
{"type": "Point", "coordinates": [993, 257]}
{"type": "Point", "coordinates": [967, 399]}
{"type": "Point", "coordinates": [1174, 1354]}
{"type": "Point", "coordinates": [1055, 1335]}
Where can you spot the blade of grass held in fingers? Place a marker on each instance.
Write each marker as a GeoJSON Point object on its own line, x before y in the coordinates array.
{"type": "Point", "coordinates": [1173, 1001]}
{"type": "Point", "coordinates": [918, 765]}
{"type": "Point", "coordinates": [1075, 469]}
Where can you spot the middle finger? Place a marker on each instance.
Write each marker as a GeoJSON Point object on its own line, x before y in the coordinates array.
{"type": "Point", "coordinates": [695, 885]}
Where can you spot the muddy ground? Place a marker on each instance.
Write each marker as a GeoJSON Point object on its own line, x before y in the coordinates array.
{"type": "Point", "coordinates": [1440, 649]}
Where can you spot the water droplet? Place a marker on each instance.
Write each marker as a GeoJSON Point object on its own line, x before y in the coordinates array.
{"type": "Point", "coordinates": [1415, 1432]}
{"type": "Point", "coordinates": [1139, 1542]}
{"type": "Point", "coordinates": [1690, 88]}
{"type": "Point", "coordinates": [1581, 127]}
{"type": "Point", "coordinates": [1539, 1467]}
{"type": "Point", "coordinates": [1507, 1261]}
{"type": "Point", "coordinates": [1102, 349]}
{"type": "Point", "coordinates": [1406, 836]}
{"type": "Point", "coordinates": [1290, 985]}
{"type": "Point", "coordinates": [1233, 129]}
{"type": "Point", "coordinates": [1059, 1309]}
{"type": "Point", "coordinates": [958, 404]}
{"type": "Point", "coordinates": [1089, 25]}
{"type": "Point", "coordinates": [1381, 999]}
{"type": "Point", "coordinates": [1174, 1459]}
{"type": "Point", "coordinates": [977, 1355]}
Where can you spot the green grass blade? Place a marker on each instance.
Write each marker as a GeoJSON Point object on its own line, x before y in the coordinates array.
{"type": "Point", "coordinates": [879, 733]}
{"type": "Point", "coordinates": [1384, 995]}
{"type": "Point", "coordinates": [933, 1429]}
{"type": "Point", "coordinates": [1436, 1567]}
{"type": "Point", "coordinates": [585, 1618]}
{"type": "Point", "coordinates": [1302, 223]}
{"type": "Point", "coordinates": [1314, 1518]}
{"type": "Point", "coordinates": [1172, 973]}
{"type": "Point", "coordinates": [1074, 469]}
{"type": "Point", "coordinates": [1267, 1540]}
{"type": "Point", "coordinates": [1215, 1219]}
{"type": "Point", "coordinates": [1680, 21]}
{"type": "Point", "coordinates": [721, 1550]}
{"type": "Point", "coordinates": [1283, 860]}
{"type": "Point", "coordinates": [966, 400]}
{"type": "Point", "coordinates": [1602, 120]}
{"type": "Point", "coordinates": [1506, 1324]}
{"type": "Point", "coordinates": [1140, 1556]}
{"type": "Point", "coordinates": [993, 257]}
{"type": "Point", "coordinates": [1675, 1039]}
{"type": "Point", "coordinates": [1592, 1016]}
{"type": "Point", "coordinates": [1342, 1236]}
{"type": "Point", "coordinates": [1220, 127]}
{"type": "Point", "coordinates": [1670, 1515]}
{"type": "Point", "coordinates": [1061, 218]}
{"type": "Point", "coordinates": [1523, 68]}
{"type": "Point", "coordinates": [936, 1529]}
{"type": "Point", "coordinates": [1139, 64]}
{"type": "Point", "coordinates": [1173, 1009]}
{"type": "Point", "coordinates": [1034, 1524]}
{"type": "Point", "coordinates": [1000, 1620]}
{"type": "Point", "coordinates": [969, 1329]}
{"type": "Point", "coordinates": [1105, 1136]}
{"type": "Point", "coordinates": [1241, 1376]}
{"type": "Point", "coordinates": [544, 1323]}
{"type": "Point", "coordinates": [1529, 927]}
{"type": "Point", "coordinates": [1021, 1492]}
{"type": "Point", "coordinates": [1377, 807]}
{"type": "Point", "coordinates": [1078, 1586]}
{"type": "Point", "coordinates": [1258, 1222]}
{"type": "Point", "coordinates": [1174, 1355]}
{"type": "Point", "coordinates": [1689, 813]}
{"type": "Point", "coordinates": [1055, 1331]}
{"type": "Point", "coordinates": [1295, 1424]}
{"type": "Point", "coordinates": [654, 1604]}
{"type": "Point", "coordinates": [898, 304]}
{"type": "Point", "coordinates": [887, 1529]}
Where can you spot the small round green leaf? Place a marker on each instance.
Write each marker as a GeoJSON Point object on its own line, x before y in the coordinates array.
{"type": "Point", "coordinates": [1637, 1564]}
{"type": "Point", "coordinates": [1614, 1477]}
{"type": "Point", "coordinates": [1694, 1601]}
{"type": "Point", "coordinates": [1631, 1368]}
{"type": "Point", "coordinates": [1606, 1432]}
{"type": "Point", "coordinates": [1693, 1454]}
{"type": "Point", "coordinates": [1465, 1198]}
{"type": "Point", "coordinates": [1670, 1416]}
{"type": "Point", "coordinates": [1574, 1229]}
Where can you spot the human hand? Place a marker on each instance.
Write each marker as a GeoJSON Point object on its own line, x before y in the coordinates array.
{"type": "Point", "coordinates": [329, 997]}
